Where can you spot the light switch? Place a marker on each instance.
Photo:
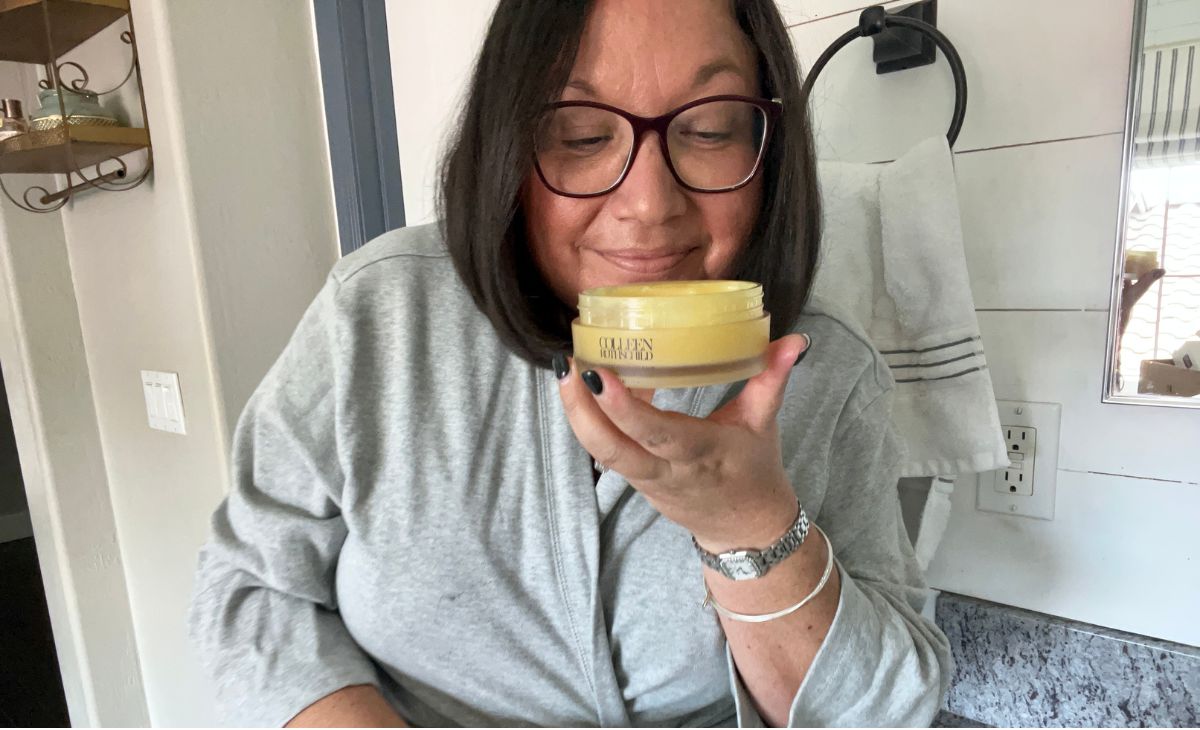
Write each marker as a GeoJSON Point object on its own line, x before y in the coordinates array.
{"type": "Point", "coordinates": [164, 405]}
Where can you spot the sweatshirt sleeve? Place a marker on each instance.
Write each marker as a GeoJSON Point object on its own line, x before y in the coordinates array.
{"type": "Point", "coordinates": [882, 663]}
{"type": "Point", "coordinates": [264, 611]}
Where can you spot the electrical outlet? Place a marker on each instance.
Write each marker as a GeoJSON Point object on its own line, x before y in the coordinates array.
{"type": "Point", "coordinates": [1022, 452]}
{"type": "Point", "coordinates": [1026, 486]}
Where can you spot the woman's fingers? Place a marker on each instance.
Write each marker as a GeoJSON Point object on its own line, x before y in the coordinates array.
{"type": "Point", "coordinates": [602, 439]}
{"type": "Point", "coordinates": [640, 441]}
{"type": "Point", "coordinates": [758, 403]}
{"type": "Point", "coordinates": [671, 436]}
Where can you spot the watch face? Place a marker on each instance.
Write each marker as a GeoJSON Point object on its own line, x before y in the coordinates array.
{"type": "Point", "coordinates": [740, 566]}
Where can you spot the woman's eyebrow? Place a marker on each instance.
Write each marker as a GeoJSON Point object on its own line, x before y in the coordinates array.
{"type": "Point", "coordinates": [582, 85]}
{"type": "Point", "coordinates": [713, 68]}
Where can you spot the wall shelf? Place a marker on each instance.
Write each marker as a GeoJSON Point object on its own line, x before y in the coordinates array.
{"type": "Point", "coordinates": [23, 26]}
{"type": "Point", "coordinates": [50, 151]}
{"type": "Point", "coordinates": [42, 32]}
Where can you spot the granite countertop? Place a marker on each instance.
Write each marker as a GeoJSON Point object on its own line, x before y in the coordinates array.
{"type": "Point", "coordinates": [1018, 668]}
{"type": "Point", "coordinates": [949, 719]}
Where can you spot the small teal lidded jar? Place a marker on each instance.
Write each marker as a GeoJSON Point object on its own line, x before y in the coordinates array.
{"type": "Point", "coordinates": [82, 107]}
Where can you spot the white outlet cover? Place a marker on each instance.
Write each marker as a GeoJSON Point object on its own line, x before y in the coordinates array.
{"type": "Point", "coordinates": [1046, 418]}
{"type": "Point", "coordinates": [164, 405]}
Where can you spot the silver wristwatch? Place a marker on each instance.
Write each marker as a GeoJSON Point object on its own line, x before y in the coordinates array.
{"type": "Point", "coordinates": [749, 564]}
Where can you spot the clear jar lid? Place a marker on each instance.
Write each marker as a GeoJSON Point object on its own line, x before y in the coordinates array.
{"type": "Point", "coordinates": [670, 304]}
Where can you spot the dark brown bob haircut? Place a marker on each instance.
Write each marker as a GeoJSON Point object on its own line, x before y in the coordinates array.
{"type": "Point", "coordinates": [523, 65]}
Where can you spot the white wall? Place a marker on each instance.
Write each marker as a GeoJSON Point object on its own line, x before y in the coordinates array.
{"type": "Point", "coordinates": [1171, 22]}
{"type": "Point", "coordinates": [204, 271]}
{"type": "Point", "coordinates": [1039, 171]}
{"type": "Point", "coordinates": [14, 519]}
{"type": "Point", "coordinates": [54, 422]}
{"type": "Point", "coordinates": [432, 45]}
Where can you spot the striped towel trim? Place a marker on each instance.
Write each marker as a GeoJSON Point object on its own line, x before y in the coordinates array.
{"type": "Point", "coordinates": [935, 347]}
{"type": "Point", "coordinates": [943, 361]}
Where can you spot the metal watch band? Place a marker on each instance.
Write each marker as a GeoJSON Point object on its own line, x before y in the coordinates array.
{"type": "Point", "coordinates": [749, 563]}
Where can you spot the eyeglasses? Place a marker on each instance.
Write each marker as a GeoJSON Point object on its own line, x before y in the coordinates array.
{"type": "Point", "coordinates": [711, 145]}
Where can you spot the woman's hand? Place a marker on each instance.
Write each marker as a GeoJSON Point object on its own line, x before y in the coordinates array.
{"type": "Point", "coordinates": [722, 477]}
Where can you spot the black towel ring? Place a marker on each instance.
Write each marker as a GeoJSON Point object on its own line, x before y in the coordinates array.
{"type": "Point", "coordinates": [872, 22]}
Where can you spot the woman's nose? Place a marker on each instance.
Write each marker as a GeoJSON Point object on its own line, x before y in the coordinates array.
{"type": "Point", "coordinates": [649, 194]}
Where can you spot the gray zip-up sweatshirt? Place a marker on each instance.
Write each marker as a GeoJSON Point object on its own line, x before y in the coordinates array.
{"type": "Point", "coordinates": [411, 509]}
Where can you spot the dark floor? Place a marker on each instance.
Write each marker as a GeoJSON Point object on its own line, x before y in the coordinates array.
{"type": "Point", "coordinates": [31, 693]}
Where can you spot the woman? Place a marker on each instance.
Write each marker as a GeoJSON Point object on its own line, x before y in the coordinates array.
{"type": "Point", "coordinates": [417, 530]}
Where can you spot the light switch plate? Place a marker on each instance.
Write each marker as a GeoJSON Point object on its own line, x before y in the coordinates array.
{"type": "Point", "coordinates": [1039, 466]}
{"type": "Point", "coordinates": [164, 405]}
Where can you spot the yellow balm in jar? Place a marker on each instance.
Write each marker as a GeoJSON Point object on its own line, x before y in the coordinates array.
{"type": "Point", "coordinates": [673, 334]}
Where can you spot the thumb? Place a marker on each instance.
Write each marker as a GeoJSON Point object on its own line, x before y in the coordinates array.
{"type": "Point", "coordinates": [762, 396]}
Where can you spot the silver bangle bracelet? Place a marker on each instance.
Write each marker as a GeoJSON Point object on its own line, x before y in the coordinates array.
{"type": "Point", "coordinates": [762, 617]}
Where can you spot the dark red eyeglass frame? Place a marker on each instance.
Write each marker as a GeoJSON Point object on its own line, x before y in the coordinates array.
{"type": "Point", "coordinates": [771, 109]}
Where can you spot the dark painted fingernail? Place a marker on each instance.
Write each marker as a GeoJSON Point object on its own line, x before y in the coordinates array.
{"type": "Point", "coordinates": [562, 368]}
{"type": "Point", "coordinates": [592, 380]}
{"type": "Point", "coordinates": [805, 351]}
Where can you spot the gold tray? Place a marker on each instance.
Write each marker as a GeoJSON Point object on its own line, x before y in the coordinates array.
{"type": "Point", "coordinates": [68, 148]}
{"type": "Point", "coordinates": [54, 121]}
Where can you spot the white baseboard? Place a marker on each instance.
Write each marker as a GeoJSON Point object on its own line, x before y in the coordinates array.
{"type": "Point", "coordinates": [15, 526]}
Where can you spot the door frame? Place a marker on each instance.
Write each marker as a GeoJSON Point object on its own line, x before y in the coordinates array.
{"type": "Point", "coordinates": [360, 118]}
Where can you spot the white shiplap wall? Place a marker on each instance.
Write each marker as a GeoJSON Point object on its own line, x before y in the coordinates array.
{"type": "Point", "coordinates": [1039, 164]}
{"type": "Point", "coordinates": [1039, 173]}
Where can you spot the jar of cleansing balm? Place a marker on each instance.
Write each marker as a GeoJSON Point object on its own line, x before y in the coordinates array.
{"type": "Point", "coordinates": [673, 334]}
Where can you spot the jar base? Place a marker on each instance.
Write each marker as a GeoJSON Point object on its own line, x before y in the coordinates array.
{"type": "Point", "coordinates": [692, 376]}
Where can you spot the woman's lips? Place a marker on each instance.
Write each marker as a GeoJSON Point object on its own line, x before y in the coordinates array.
{"type": "Point", "coordinates": [643, 261]}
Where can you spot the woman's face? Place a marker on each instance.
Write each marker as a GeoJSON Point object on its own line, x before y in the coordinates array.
{"type": "Point", "coordinates": [648, 57]}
